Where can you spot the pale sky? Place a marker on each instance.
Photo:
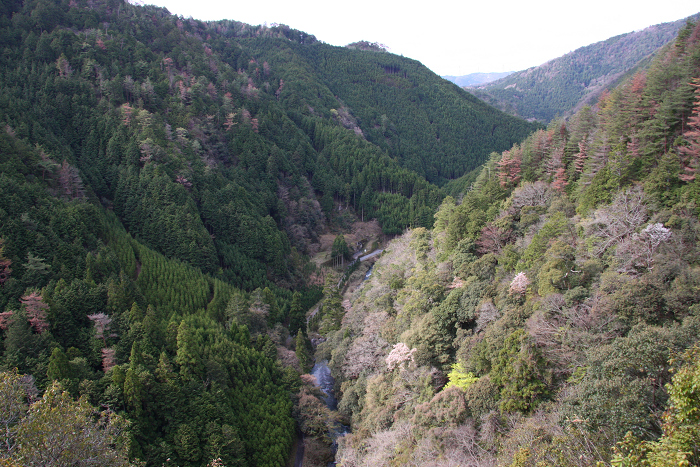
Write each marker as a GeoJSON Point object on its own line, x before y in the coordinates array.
{"type": "Point", "coordinates": [452, 38]}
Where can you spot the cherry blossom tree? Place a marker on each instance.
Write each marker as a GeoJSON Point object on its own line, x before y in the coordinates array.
{"type": "Point", "coordinates": [101, 322]}
{"type": "Point", "coordinates": [519, 284]}
{"type": "Point", "coordinates": [399, 355]}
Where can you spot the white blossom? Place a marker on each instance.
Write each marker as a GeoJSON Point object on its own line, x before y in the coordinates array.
{"type": "Point", "coordinates": [519, 284]}
{"type": "Point", "coordinates": [399, 355]}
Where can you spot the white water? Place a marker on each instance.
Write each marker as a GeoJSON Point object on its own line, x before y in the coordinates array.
{"type": "Point", "coordinates": [326, 382]}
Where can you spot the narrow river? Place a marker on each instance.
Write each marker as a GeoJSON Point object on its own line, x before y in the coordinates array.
{"type": "Point", "coordinates": [326, 382]}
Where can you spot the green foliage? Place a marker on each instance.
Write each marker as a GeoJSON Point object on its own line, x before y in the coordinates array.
{"type": "Point", "coordinates": [622, 388]}
{"type": "Point", "coordinates": [520, 371]}
{"type": "Point", "coordinates": [302, 353]}
{"type": "Point", "coordinates": [332, 313]}
{"type": "Point", "coordinates": [460, 378]}
{"type": "Point", "coordinates": [533, 253]}
{"type": "Point", "coordinates": [340, 248]}
{"type": "Point", "coordinates": [56, 430]}
{"type": "Point", "coordinates": [678, 446]}
{"type": "Point", "coordinates": [386, 102]}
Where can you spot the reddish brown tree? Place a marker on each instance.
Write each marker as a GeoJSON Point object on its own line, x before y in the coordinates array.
{"type": "Point", "coordinates": [184, 91]}
{"type": "Point", "coordinates": [211, 90]}
{"type": "Point", "coordinates": [229, 123]}
{"type": "Point", "coordinates": [581, 156]}
{"type": "Point", "coordinates": [63, 66]}
{"type": "Point", "coordinates": [556, 161]}
{"type": "Point", "coordinates": [183, 181]}
{"type": "Point", "coordinates": [690, 153]}
{"type": "Point", "coordinates": [493, 239]}
{"type": "Point", "coordinates": [279, 90]}
{"type": "Point", "coordinates": [560, 181]}
{"type": "Point", "coordinates": [35, 308]}
{"type": "Point", "coordinates": [541, 143]}
{"type": "Point", "coordinates": [127, 111]}
{"type": "Point", "coordinates": [109, 358]}
{"type": "Point", "coordinates": [509, 167]}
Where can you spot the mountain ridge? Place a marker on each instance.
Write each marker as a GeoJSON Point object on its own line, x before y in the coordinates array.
{"type": "Point", "coordinates": [474, 79]}
{"type": "Point", "coordinates": [562, 85]}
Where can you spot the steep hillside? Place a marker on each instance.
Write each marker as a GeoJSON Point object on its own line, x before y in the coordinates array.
{"type": "Point", "coordinates": [254, 121]}
{"type": "Point", "coordinates": [552, 316]}
{"type": "Point", "coordinates": [564, 85]}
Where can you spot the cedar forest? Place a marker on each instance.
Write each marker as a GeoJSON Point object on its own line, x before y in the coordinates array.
{"type": "Point", "coordinates": [166, 183]}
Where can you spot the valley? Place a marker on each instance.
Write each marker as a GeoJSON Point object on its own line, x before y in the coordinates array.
{"type": "Point", "coordinates": [206, 228]}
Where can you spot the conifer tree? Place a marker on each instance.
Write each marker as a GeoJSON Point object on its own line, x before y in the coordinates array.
{"type": "Point", "coordinates": [297, 318]}
{"type": "Point", "coordinates": [302, 352]}
{"type": "Point", "coordinates": [59, 367]}
{"type": "Point", "coordinates": [332, 305]}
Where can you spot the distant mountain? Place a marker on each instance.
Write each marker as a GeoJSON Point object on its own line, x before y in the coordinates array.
{"type": "Point", "coordinates": [474, 79]}
{"type": "Point", "coordinates": [562, 86]}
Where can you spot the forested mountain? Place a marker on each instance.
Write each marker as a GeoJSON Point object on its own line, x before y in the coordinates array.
{"type": "Point", "coordinates": [551, 316]}
{"type": "Point", "coordinates": [562, 86]}
{"type": "Point", "coordinates": [474, 79]}
{"type": "Point", "coordinates": [163, 182]}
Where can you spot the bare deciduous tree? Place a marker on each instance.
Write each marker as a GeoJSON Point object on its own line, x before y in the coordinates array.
{"type": "Point", "coordinates": [613, 223]}
{"type": "Point", "coordinates": [638, 250]}
{"type": "Point", "coordinates": [530, 194]}
{"type": "Point", "coordinates": [493, 239]}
